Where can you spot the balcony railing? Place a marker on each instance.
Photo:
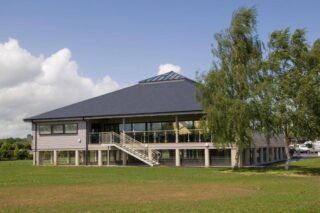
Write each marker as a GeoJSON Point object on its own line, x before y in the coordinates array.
{"type": "Point", "coordinates": [168, 136]}
{"type": "Point", "coordinates": [157, 136]}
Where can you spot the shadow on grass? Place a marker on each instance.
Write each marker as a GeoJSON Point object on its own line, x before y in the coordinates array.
{"type": "Point", "coordinates": [279, 168]}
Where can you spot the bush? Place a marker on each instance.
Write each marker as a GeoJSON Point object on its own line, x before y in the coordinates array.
{"type": "Point", "coordinates": [22, 154]}
{"type": "Point", "coordinates": [14, 148]}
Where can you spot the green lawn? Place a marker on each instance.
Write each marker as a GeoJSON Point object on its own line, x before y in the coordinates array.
{"type": "Point", "coordinates": [25, 188]}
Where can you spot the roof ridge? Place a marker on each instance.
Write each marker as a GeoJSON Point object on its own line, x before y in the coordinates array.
{"type": "Point", "coordinates": [168, 76]}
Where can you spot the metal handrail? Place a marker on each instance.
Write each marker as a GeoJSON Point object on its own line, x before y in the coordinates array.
{"type": "Point", "coordinates": [155, 154]}
{"type": "Point", "coordinates": [112, 138]}
{"type": "Point", "coordinates": [198, 133]}
{"type": "Point", "coordinates": [151, 131]}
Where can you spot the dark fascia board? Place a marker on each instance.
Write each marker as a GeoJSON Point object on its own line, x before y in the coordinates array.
{"type": "Point", "coordinates": [113, 116]}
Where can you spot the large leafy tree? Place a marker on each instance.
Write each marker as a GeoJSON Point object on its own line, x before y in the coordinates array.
{"type": "Point", "coordinates": [230, 91]}
{"type": "Point", "coordinates": [294, 70]}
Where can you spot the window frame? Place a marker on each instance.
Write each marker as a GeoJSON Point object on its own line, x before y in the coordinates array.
{"type": "Point", "coordinates": [72, 133]}
{"type": "Point", "coordinates": [50, 127]}
{"type": "Point", "coordinates": [57, 133]}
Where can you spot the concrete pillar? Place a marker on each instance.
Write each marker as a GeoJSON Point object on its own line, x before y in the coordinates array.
{"type": "Point", "coordinates": [33, 158]}
{"type": "Point", "coordinates": [233, 158]}
{"type": "Point", "coordinates": [177, 129]}
{"type": "Point", "coordinates": [206, 157]}
{"type": "Point", "coordinates": [108, 157]}
{"type": "Point", "coordinates": [267, 153]}
{"type": "Point", "coordinates": [36, 158]}
{"type": "Point", "coordinates": [99, 157]}
{"type": "Point", "coordinates": [76, 158]}
{"type": "Point", "coordinates": [124, 158]}
{"type": "Point", "coordinates": [178, 157]}
{"type": "Point", "coordinates": [55, 157]}
{"type": "Point", "coordinates": [150, 154]}
{"type": "Point", "coordinates": [276, 154]}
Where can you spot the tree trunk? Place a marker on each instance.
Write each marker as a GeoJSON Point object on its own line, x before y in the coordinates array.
{"type": "Point", "coordinates": [286, 144]}
{"type": "Point", "coordinates": [238, 162]}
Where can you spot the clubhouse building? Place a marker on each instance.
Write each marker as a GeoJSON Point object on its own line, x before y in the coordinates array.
{"type": "Point", "coordinates": [155, 122]}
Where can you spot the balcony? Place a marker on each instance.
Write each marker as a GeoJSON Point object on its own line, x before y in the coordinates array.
{"type": "Point", "coordinates": [158, 136]}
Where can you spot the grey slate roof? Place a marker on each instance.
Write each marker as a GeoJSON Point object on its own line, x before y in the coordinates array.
{"type": "Point", "coordinates": [163, 94]}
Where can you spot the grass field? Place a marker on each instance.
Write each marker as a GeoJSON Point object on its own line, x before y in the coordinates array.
{"type": "Point", "coordinates": [24, 188]}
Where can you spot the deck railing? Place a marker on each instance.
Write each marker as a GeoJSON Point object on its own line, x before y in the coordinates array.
{"type": "Point", "coordinates": [157, 136]}
{"type": "Point", "coordinates": [123, 139]}
{"type": "Point", "coordinates": [168, 136]}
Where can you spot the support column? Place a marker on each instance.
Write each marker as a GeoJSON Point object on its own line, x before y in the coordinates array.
{"type": "Point", "coordinates": [276, 154]}
{"type": "Point", "coordinates": [233, 158]}
{"type": "Point", "coordinates": [150, 154]}
{"type": "Point", "coordinates": [37, 158]}
{"type": "Point", "coordinates": [99, 158]}
{"type": "Point", "coordinates": [33, 158]}
{"type": "Point", "coordinates": [55, 157]}
{"type": "Point", "coordinates": [108, 157]}
{"type": "Point", "coordinates": [267, 153]}
{"type": "Point", "coordinates": [177, 129]}
{"type": "Point", "coordinates": [206, 157]}
{"type": "Point", "coordinates": [124, 158]}
{"type": "Point", "coordinates": [76, 158]}
{"type": "Point", "coordinates": [178, 157]}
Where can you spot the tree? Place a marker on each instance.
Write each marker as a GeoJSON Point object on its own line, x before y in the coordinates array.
{"type": "Point", "coordinates": [229, 92]}
{"type": "Point", "coordinates": [295, 86]}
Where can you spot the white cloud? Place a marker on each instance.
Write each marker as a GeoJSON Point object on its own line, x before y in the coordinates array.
{"type": "Point", "coordinates": [30, 85]}
{"type": "Point", "coordinates": [164, 68]}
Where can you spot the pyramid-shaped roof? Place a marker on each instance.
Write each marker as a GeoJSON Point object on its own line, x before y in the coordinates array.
{"type": "Point", "coordinates": [169, 93]}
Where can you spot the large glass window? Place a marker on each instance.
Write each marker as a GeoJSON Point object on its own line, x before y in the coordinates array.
{"type": "Point", "coordinates": [71, 128]}
{"type": "Point", "coordinates": [168, 125]}
{"type": "Point", "coordinates": [57, 129]}
{"type": "Point", "coordinates": [186, 124]}
{"type": "Point", "coordinates": [127, 127]}
{"type": "Point", "coordinates": [156, 126]}
{"type": "Point", "coordinates": [45, 129]}
{"type": "Point", "coordinates": [139, 127]}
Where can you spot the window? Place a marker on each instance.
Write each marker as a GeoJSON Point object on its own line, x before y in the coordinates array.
{"type": "Point", "coordinates": [156, 126]}
{"type": "Point", "coordinates": [167, 125]}
{"type": "Point", "coordinates": [57, 129]}
{"type": "Point", "coordinates": [45, 129]}
{"type": "Point", "coordinates": [71, 128]}
{"type": "Point", "coordinates": [127, 127]}
{"type": "Point", "coordinates": [139, 126]}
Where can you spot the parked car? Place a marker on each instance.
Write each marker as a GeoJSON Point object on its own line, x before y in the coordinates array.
{"type": "Point", "coordinates": [303, 148]}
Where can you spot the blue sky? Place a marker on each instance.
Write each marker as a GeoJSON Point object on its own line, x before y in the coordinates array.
{"type": "Point", "coordinates": [128, 40]}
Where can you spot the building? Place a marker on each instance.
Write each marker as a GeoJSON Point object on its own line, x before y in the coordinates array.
{"type": "Point", "coordinates": [155, 122]}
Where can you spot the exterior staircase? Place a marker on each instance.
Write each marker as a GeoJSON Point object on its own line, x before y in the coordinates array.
{"type": "Point", "coordinates": [132, 147]}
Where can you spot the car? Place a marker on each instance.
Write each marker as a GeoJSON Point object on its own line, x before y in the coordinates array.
{"type": "Point", "coordinates": [303, 148]}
